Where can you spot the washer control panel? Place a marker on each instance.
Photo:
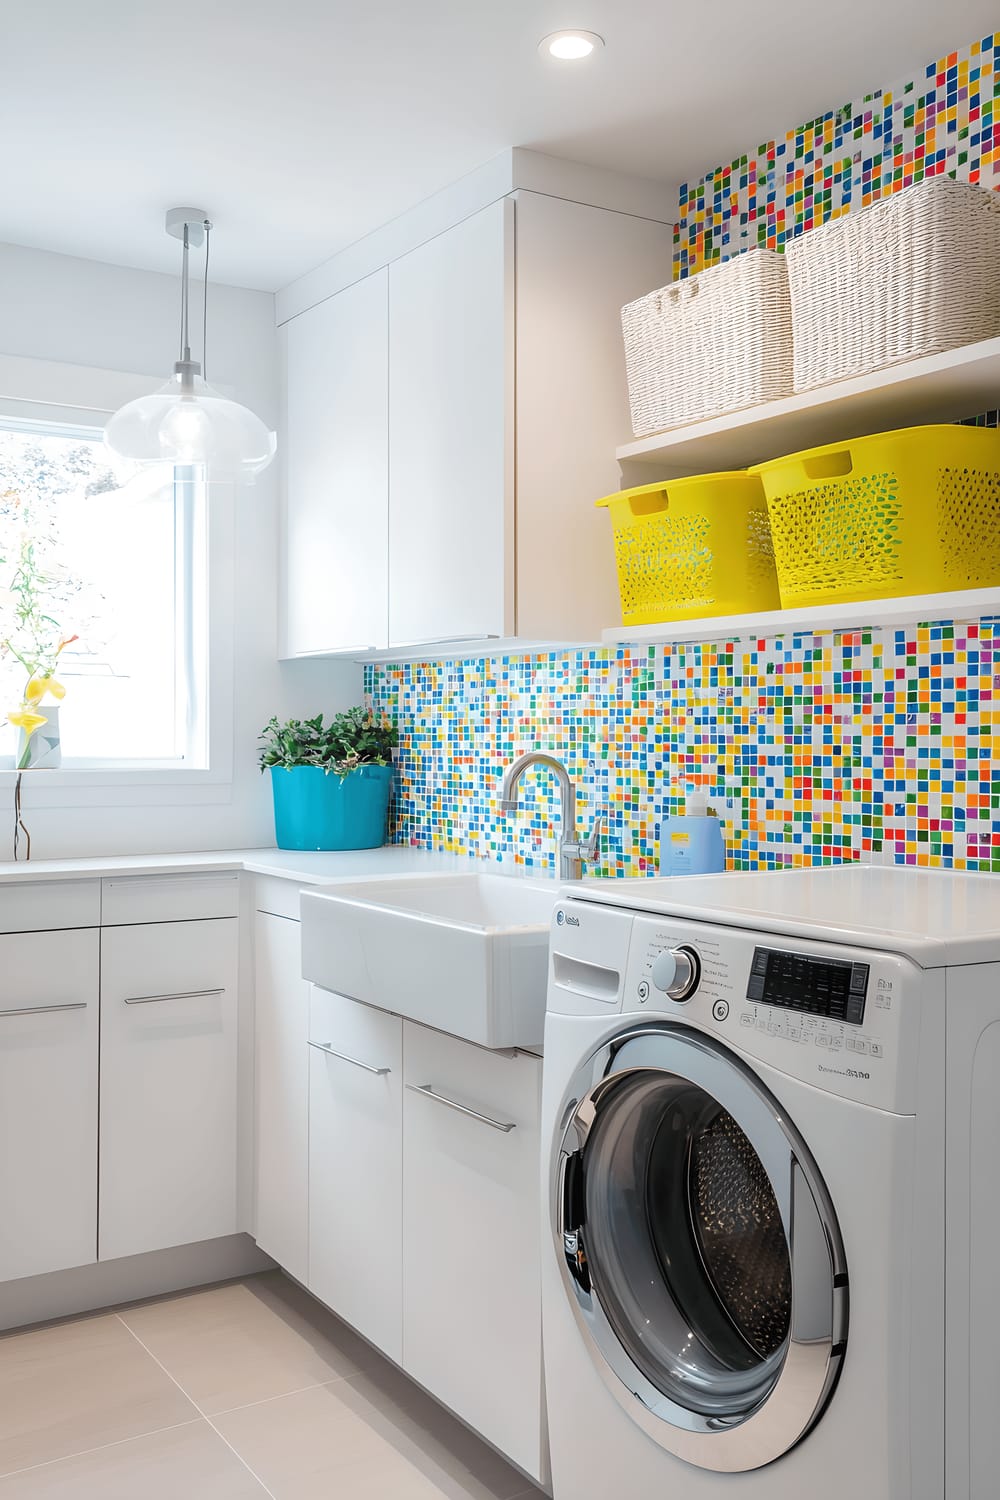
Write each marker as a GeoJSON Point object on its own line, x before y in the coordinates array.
{"type": "Point", "coordinates": [842, 1018]}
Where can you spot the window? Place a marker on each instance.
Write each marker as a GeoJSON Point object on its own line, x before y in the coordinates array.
{"type": "Point", "coordinates": [128, 570]}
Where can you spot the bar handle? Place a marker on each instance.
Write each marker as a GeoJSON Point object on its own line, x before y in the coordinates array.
{"type": "Point", "coordinates": [179, 995]}
{"type": "Point", "coordinates": [424, 1088]}
{"type": "Point", "coordinates": [354, 1061]}
{"type": "Point", "coordinates": [45, 1010]}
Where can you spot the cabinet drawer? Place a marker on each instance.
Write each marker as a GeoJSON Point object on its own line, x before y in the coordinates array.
{"type": "Point", "coordinates": [355, 1166]}
{"type": "Point", "coordinates": [472, 1268]}
{"type": "Point", "coordinates": [48, 1102]}
{"type": "Point", "coordinates": [170, 898]}
{"type": "Point", "coordinates": [168, 1170]}
{"type": "Point", "coordinates": [34, 906]}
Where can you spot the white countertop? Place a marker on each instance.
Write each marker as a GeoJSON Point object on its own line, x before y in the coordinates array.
{"type": "Point", "coordinates": [934, 917]}
{"type": "Point", "coordinates": [308, 868]}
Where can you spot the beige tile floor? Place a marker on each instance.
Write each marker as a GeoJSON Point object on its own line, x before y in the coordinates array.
{"type": "Point", "coordinates": [242, 1390]}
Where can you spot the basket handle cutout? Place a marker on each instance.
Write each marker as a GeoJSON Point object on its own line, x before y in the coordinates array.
{"type": "Point", "coordinates": [828, 465]}
{"type": "Point", "coordinates": [647, 502]}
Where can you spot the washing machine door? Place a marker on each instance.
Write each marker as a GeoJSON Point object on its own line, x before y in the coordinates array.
{"type": "Point", "coordinates": [700, 1249]}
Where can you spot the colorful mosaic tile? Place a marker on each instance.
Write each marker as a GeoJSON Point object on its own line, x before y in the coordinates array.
{"type": "Point", "coordinates": [947, 121]}
{"type": "Point", "coordinates": [881, 746]}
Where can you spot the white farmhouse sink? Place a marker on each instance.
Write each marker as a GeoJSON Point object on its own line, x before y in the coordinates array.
{"type": "Point", "coordinates": [467, 954]}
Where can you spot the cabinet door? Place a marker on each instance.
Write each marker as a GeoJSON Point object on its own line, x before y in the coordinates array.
{"type": "Point", "coordinates": [451, 382]}
{"type": "Point", "coordinates": [168, 1085]}
{"type": "Point", "coordinates": [335, 472]}
{"type": "Point", "coordinates": [282, 1098]}
{"type": "Point", "coordinates": [471, 1295]}
{"type": "Point", "coordinates": [355, 1166]}
{"type": "Point", "coordinates": [48, 1101]}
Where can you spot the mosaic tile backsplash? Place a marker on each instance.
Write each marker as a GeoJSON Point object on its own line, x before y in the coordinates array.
{"type": "Point", "coordinates": [946, 121]}
{"type": "Point", "coordinates": [874, 745]}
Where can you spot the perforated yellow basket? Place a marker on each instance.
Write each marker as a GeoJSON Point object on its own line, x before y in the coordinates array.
{"type": "Point", "coordinates": [686, 548]}
{"type": "Point", "coordinates": [910, 512]}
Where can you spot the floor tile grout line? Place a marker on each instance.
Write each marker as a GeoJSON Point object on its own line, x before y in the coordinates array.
{"type": "Point", "coordinates": [133, 1437]}
{"type": "Point", "coordinates": [204, 1415]}
{"type": "Point", "coordinates": [314, 1385]}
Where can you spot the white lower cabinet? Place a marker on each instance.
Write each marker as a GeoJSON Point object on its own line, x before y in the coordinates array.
{"type": "Point", "coordinates": [471, 1236]}
{"type": "Point", "coordinates": [281, 1028]}
{"type": "Point", "coordinates": [355, 1165]}
{"type": "Point", "coordinates": [168, 1111]}
{"type": "Point", "coordinates": [48, 1101]}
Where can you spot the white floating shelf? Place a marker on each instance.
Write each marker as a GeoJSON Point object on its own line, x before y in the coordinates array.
{"type": "Point", "coordinates": [873, 613]}
{"type": "Point", "coordinates": [939, 388]}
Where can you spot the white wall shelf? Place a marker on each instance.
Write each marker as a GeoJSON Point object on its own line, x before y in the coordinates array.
{"type": "Point", "coordinates": [938, 388]}
{"type": "Point", "coordinates": [967, 605]}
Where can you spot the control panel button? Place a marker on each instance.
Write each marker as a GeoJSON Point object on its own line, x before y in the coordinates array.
{"type": "Point", "coordinates": [643, 990]}
{"type": "Point", "coordinates": [876, 1049]}
{"type": "Point", "coordinates": [746, 1019]}
{"type": "Point", "coordinates": [720, 1009]}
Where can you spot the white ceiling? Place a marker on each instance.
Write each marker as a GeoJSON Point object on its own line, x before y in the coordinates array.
{"type": "Point", "coordinates": [303, 124]}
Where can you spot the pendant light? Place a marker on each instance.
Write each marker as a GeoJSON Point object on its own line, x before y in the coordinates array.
{"type": "Point", "coordinates": [186, 421]}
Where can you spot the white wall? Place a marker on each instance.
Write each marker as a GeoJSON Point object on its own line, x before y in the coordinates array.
{"type": "Point", "coordinates": [55, 307]}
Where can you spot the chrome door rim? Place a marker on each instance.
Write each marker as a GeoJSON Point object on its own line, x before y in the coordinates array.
{"type": "Point", "coordinates": [817, 1338]}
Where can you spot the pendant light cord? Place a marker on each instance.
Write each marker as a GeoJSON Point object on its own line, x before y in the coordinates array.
{"type": "Point", "coordinates": [185, 338]}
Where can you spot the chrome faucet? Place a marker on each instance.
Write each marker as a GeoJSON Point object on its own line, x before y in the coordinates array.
{"type": "Point", "coordinates": [572, 850]}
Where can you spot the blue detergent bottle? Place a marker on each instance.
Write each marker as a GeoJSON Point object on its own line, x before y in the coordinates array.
{"type": "Point", "coordinates": [691, 842]}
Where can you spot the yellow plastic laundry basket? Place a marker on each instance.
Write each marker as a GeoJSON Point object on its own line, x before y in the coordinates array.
{"type": "Point", "coordinates": [915, 511]}
{"type": "Point", "coordinates": [692, 547]}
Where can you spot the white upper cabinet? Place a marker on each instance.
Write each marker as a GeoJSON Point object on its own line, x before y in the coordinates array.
{"type": "Point", "coordinates": [335, 472]}
{"type": "Point", "coordinates": [451, 343]}
{"type": "Point", "coordinates": [507, 397]}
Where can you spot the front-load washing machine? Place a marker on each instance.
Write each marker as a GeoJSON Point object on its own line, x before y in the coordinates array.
{"type": "Point", "coordinates": [771, 1181]}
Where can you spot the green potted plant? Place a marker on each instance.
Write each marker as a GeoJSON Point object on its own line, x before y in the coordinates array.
{"type": "Point", "coordinates": [330, 782]}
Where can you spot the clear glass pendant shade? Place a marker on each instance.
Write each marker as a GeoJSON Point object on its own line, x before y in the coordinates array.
{"type": "Point", "coordinates": [187, 422]}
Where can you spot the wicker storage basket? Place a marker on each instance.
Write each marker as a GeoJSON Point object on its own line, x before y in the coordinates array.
{"type": "Point", "coordinates": [910, 512]}
{"type": "Point", "coordinates": [716, 342]}
{"type": "Point", "coordinates": [914, 274]}
{"type": "Point", "coordinates": [687, 548]}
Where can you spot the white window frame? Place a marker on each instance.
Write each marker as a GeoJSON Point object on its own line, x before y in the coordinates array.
{"type": "Point", "coordinates": [74, 396]}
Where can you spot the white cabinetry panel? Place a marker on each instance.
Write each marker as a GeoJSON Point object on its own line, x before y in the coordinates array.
{"type": "Point", "coordinates": [168, 1085]}
{"type": "Point", "coordinates": [451, 342]}
{"type": "Point", "coordinates": [334, 456]}
{"type": "Point", "coordinates": [471, 1283]}
{"type": "Point", "coordinates": [355, 1165]}
{"type": "Point", "coordinates": [48, 1101]}
{"type": "Point", "coordinates": [282, 1093]}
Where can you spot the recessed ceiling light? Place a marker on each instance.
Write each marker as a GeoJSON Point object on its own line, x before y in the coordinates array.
{"type": "Point", "coordinates": [570, 46]}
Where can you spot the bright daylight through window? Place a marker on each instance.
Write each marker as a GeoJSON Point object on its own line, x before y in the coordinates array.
{"type": "Point", "coordinates": [121, 570]}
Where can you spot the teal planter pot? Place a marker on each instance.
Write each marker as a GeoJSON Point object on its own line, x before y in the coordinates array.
{"type": "Point", "coordinates": [314, 809]}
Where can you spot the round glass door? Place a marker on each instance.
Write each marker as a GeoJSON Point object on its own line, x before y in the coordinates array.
{"type": "Point", "coordinates": [682, 1193]}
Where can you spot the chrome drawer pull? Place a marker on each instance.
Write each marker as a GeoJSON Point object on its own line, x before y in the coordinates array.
{"type": "Point", "coordinates": [44, 1010]}
{"type": "Point", "coordinates": [325, 1047]}
{"type": "Point", "coordinates": [428, 1093]}
{"type": "Point", "coordinates": [180, 995]}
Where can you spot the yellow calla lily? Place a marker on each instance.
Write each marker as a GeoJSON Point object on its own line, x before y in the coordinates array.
{"type": "Point", "coordinates": [24, 718]}
{"type": "Point", "coordinates": [39, 686]}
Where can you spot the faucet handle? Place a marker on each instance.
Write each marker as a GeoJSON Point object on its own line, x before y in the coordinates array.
{"type": "Point", "coordinates": [590, 848]}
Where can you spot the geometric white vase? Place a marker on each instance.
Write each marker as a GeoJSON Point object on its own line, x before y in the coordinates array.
{"type": "Point", "coordinates": [44, 750]}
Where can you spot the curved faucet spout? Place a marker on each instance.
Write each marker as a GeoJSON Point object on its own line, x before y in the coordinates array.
{"type": "Point", "coordinates": [571, 851]}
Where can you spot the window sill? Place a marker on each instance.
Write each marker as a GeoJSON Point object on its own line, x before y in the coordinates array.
{"type": "Point", "coordinates": [121, 786]}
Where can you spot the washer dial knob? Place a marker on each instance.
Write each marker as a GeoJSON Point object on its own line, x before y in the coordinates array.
{"type": "Point", "coordinates": [676, 972]}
